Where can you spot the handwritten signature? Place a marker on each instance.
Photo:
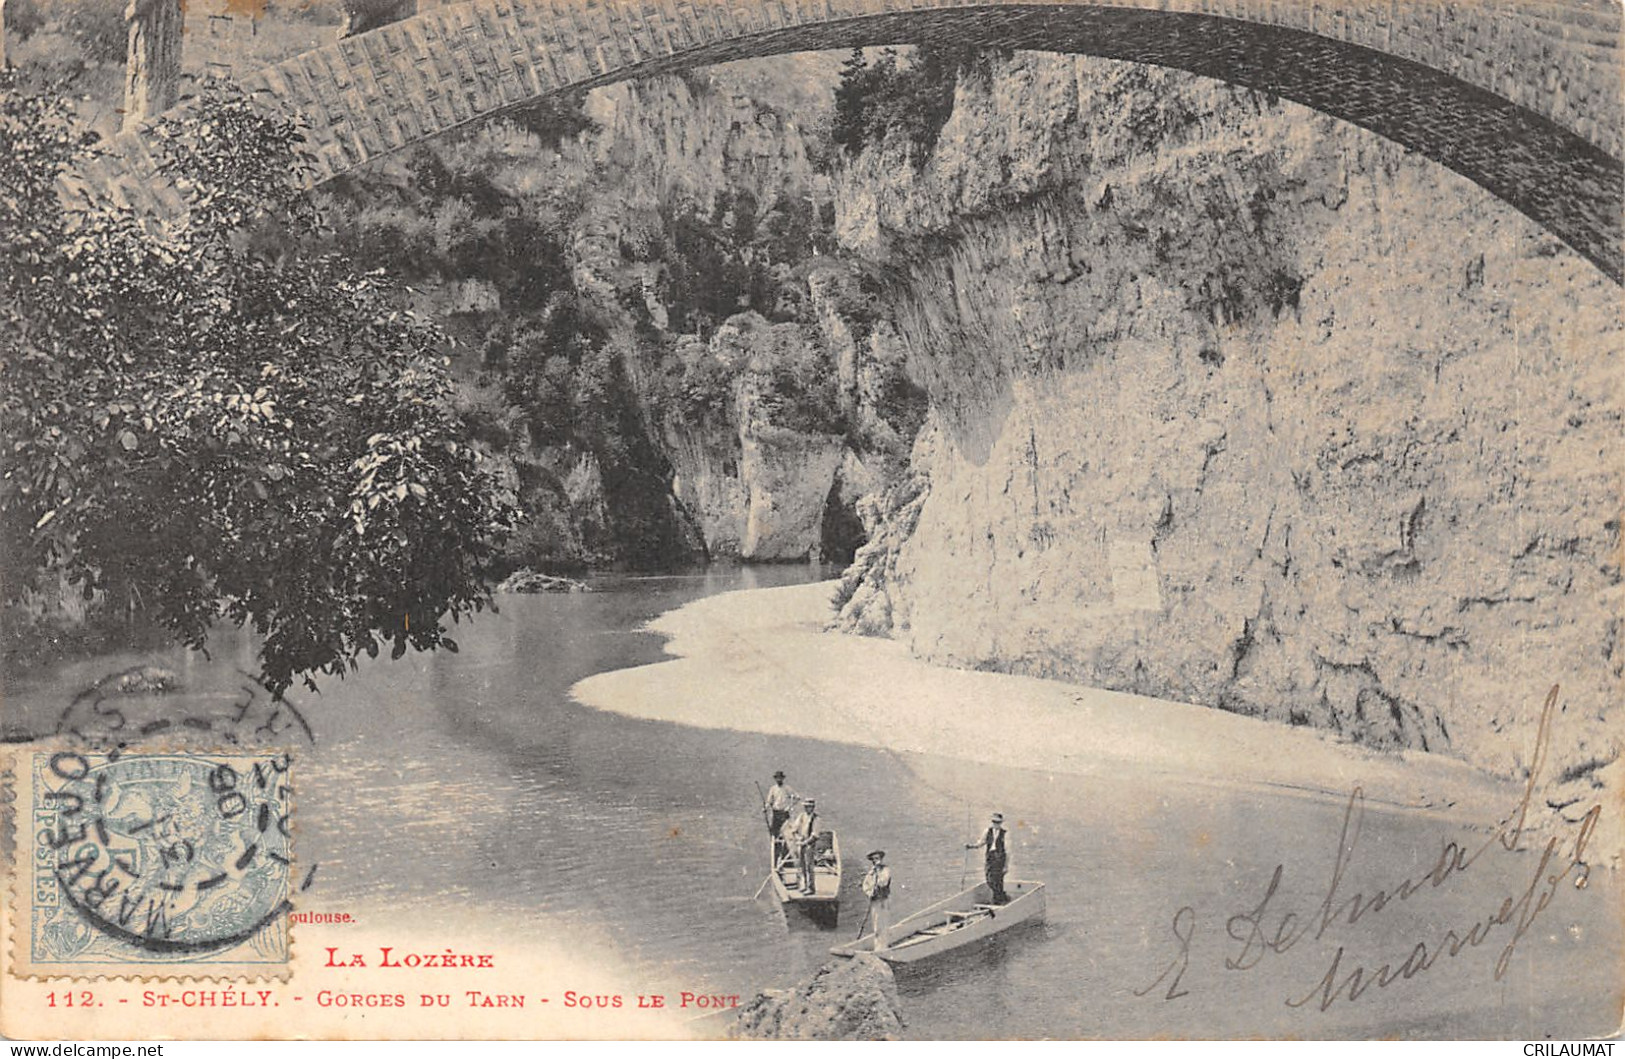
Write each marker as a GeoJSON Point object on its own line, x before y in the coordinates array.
{"type": "Point", "coordinates": [1264, 931]}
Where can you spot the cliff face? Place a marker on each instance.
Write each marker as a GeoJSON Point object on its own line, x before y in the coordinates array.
{"type": "Point", "coordinates": [1240, 406]}
{"type": "Point", "coordinates": [756, 489]}
{"type": "Point", "coordinates": [798, 430]}
{"type": "Point", "coordinates": [672, 160]}
{"type": "Point", "coordinates": [669, 358]}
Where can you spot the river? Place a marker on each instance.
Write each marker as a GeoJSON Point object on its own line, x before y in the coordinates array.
{"type": "Point", "coordinates": [473, 777]}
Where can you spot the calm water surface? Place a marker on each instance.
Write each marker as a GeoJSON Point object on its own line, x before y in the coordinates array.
{"type": "Point", "coordinates": [473, 776]}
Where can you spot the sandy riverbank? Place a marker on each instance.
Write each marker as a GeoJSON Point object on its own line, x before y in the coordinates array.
{"type": "Point", "coordinates": [760, 661]}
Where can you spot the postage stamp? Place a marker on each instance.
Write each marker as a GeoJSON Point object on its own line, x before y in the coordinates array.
{"type": "Point", "coordinates": [152, 863]}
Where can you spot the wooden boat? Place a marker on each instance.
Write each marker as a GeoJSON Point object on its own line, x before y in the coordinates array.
{"type": "Point", "coordinates": [954, 923]}
{"type": "Point", "coordinates": [786, 875]}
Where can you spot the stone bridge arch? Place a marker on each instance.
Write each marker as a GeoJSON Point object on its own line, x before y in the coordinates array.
{"type": "Point", "coordinates": [1523, 97]}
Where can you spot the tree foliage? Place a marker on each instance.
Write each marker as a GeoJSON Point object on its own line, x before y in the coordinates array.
{"type": "Point", "coordinates": [910, 101]}
{"type": "Point", "coordinates": [554, 119]}
{"type": "Point", "coordinates": [198, 421]}
{"type": "Point", "coordinates": [736, 257]}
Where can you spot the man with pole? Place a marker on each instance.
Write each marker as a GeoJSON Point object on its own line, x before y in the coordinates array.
{"type": "Point", "coordinates": [802, 838]}
{"type": "Point", "coordinates": [877, 887]}
{"type": "Point", "coordinates": [780, 799]}
{"type": "Point", "coordinates": [998, 859]}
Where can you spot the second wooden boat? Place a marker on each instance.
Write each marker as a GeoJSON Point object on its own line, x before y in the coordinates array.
{"type": "Point", "coordinates": [966, 917]}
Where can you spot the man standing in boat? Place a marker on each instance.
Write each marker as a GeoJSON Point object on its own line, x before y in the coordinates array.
{"type": "Point", "coordinates": [993, 841]}
{"type": "Point", "coordinates": [780, 800]}
{"type": "Point", "coordinates": [877, 887]}
{"type": "Point", "coordinates": [803, 838]}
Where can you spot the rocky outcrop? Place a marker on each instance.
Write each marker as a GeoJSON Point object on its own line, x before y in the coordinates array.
{"type": "Point", "coordinates": [529, 581]}
{"type": "Point", "coordinates": [146, 679]}
{"type": "Point", "coordinates": [765, 500]}
{"type": "Point", "coordinates": [789, 476]}
{"type": "Point", "coordinates": [847, 1000]}
{"type": "Point", "coordinates": [567, 522]}
{"type": "Point", "coordinates": [865, 602]}
{"type": "Point", "coordinates": [708, 485]}
{"type": "Point", "coordinates": [1244, 407]}
{"type": "Point", "coordinates": [760, 491]}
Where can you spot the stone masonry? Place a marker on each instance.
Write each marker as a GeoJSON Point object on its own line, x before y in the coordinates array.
{"type": "Point", "coordinates": [152, 67]}
{"type": "Point", "coordinates": [1520, 96]}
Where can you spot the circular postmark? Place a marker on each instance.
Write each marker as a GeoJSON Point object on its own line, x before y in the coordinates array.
{"type": "Point", "coordinates": [152, 704]}
{"type": "Point", "coordinates": [175, 853]}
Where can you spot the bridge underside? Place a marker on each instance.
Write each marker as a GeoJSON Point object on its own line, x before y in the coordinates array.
{"type": "Point", "coordinates": [1557, 178]}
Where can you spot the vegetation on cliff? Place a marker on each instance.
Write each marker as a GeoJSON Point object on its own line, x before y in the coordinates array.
{"type": "Point", "coordinates": [592, 274]}
{"type": "Point", "coordinates": [906, 100]}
